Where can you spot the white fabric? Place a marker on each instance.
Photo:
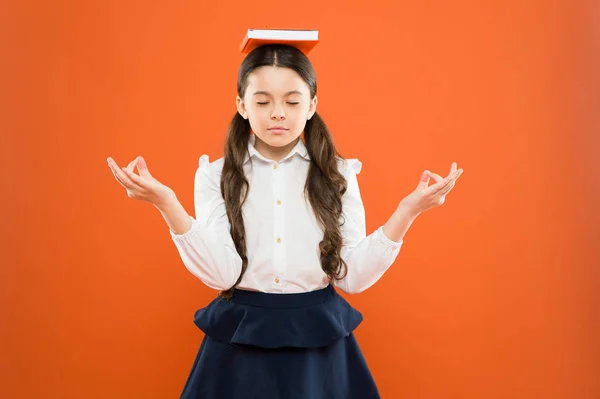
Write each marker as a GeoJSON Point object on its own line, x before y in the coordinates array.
{"type": "Point", "coordinates": [282, 237]}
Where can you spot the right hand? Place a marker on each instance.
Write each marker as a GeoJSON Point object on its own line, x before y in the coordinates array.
{"type": "Point", "coordinates": [426, 197]}
{"type": "Point", "coordinates": [143, 187]}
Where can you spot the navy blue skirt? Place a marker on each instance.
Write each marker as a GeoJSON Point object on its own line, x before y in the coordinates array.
{"type": "Point", "coordinates": [279, 346]}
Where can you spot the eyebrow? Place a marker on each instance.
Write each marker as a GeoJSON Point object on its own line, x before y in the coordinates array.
{"type": "Point", "coordinates": [286, 94]}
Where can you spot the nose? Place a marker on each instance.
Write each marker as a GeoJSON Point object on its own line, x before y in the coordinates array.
{"type": "Point", "coordinates": [278, 114]}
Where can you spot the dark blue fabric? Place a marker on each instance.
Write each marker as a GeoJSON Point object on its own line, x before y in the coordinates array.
{"type": "Point", "coordinates": [306, 320]}
{"type": "Point", "coordinates": [279, 346]}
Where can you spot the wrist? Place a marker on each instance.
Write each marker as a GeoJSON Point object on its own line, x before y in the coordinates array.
{"type": "Point", "coordinates": [399, 223]}
{"type": "Point", "coordinates": [166, 202]}
{"type": "Point", "coordinates": [408, 211]}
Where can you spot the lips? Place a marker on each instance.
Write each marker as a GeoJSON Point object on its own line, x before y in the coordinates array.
{"type": "Point", "coordinates": [278, 130]}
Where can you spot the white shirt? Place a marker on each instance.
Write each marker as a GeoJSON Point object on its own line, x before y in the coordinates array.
{"type": "Point", "coordinates": [282, 232]}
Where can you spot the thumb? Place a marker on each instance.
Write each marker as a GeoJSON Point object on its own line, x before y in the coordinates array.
{"type": "Point", "coordinates": [424, 182]}
{"type": "Point", "coordinates": [143, 168]}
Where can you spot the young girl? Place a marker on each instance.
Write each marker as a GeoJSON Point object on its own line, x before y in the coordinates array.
{"type": "Point", "coordinates": [279, 224]}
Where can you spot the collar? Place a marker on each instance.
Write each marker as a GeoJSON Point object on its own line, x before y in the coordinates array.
{"type": "Point", "coordinates": [299, 148]}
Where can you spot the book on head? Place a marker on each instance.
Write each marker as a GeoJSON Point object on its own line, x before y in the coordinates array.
{"type": "Point", "coordinates": [302, 39]}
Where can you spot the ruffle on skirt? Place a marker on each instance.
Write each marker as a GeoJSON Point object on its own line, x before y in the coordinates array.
{"type": "Point", "coordinates": [305, 320]}
{"type": "Point", "coordinates": [279, 346]}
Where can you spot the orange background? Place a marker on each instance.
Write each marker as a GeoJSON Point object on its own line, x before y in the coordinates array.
{"type": "Point", "coordinates": [494, 295]}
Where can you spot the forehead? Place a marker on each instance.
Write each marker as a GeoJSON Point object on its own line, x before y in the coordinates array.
{"type": "Point", "coordinates": [275, 80]}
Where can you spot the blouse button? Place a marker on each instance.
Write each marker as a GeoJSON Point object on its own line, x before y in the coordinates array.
{"type": "Point", "coordinates": [278, 202]}
{"type": "Point", "coordinates": [278, 240]}
{"type": "Point", "coordinates": [274, 166]}
{"type": "Point", "coordinates": [277, 280]}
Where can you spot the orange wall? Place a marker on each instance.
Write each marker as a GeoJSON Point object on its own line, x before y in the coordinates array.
{"type": "Point", "coordinates": [494, 295]}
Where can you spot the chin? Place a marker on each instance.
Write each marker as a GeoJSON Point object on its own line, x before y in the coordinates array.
{"type": "Point", "coordinates": [278, 140]}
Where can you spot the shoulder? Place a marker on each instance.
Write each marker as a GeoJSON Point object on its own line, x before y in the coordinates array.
{"type": "Point", "coordinates": [213, 168]}
{"type": "Point", "coordinates": [349, 167]}
{"type": "Point", "coordinates": [208, 174]}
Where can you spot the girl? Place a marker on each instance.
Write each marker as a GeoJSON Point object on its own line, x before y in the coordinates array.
{"type": "Point", "coordinates": [279, 224]}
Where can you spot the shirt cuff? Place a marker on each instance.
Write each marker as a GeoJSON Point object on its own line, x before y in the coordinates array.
{"type": "Point", "coordinates": [185, 235]}
{"type": "Point", "coordinates": [380, 235]}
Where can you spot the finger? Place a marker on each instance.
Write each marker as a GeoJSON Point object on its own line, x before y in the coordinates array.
{"type": "Point", "coordinates": [443, 192]}
{"type": "Point", "coordinates": [449, 187]}
{"type": "Point", "coordinates": [456, 174]}
{"type": "Point", "coordinates": [436, 177]}
{"type": "Point", "coordinates": [453, 176]}
{"type": "Point", "coordinates": [443, 186]}
{"type": "Point", "coordinates": [114, 168]}
{"type": "Point", "coordinates": [139, 181]}
{"type": "Point", "coordinates": [122, 177]}
{"type": "Point", "coordinates": [117, 177]}
{"type": "Point", "coordinates": [459, 173]}
{"type": "Point", "coordinates": [143, 168]}
{"type": "Point", "coordinates": [424, 180]}
{"type": "Point", "coordinates": [436, 188]}
{"type": "Point", "coordinates": [132, 164]}
{"type": "Point", "coordinates": [127, 176]}
{"type": "Point", "coordinates": [452, 168]}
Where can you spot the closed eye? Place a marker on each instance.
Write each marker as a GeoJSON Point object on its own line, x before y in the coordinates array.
{"type": "Point", "coordinates": [265, 103]}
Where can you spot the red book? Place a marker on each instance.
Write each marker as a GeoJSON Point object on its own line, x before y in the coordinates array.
{"type": "Point", "coordinates": [304, 40]}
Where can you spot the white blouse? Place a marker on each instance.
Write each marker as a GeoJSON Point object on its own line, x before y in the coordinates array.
{"type": "Point", "coordinates": [282, 232]}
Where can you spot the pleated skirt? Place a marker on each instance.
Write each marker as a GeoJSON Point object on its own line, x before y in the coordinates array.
{"type": "Point", "coordinates": [279, 346]}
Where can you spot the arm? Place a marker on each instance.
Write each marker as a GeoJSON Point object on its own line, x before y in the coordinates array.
{"type": "Point", "coordinates": [397, 225]}
{"type": "Point", "coordinates": [175, 215]}
{"type": "Point", "coordinates": [367, 257]}
{"type": "Point", "coordinates": [206, 247]}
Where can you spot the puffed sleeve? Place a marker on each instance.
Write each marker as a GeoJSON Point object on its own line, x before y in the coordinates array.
{"type": "Point", "coordinates": [207, 249]}
{"type": "Point", "coordinates": [367, 257]}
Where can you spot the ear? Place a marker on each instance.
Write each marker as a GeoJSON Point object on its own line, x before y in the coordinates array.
{"type": "Point", "coordinates": [241, 107]}
{"type": "Point", "coordinates": [312, 108]}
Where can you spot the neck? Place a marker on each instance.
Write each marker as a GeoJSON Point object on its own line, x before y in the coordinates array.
{"type": "Point", "coordinates": [274, 153]}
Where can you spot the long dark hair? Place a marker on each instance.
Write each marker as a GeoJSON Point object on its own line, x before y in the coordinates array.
{"type": "Point", "coordinates": [324, 185]}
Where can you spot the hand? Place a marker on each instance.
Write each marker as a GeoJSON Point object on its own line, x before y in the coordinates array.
{"type": "Point", "coordinates": [143, 187]}
{"type": "Point", "coordinates": [424, 197]}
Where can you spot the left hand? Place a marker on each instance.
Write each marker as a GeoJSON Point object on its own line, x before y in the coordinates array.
{"type": "Point", "coordinates": [143, 186]}
{"type": "Point", "coordinates": [426, 197]}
